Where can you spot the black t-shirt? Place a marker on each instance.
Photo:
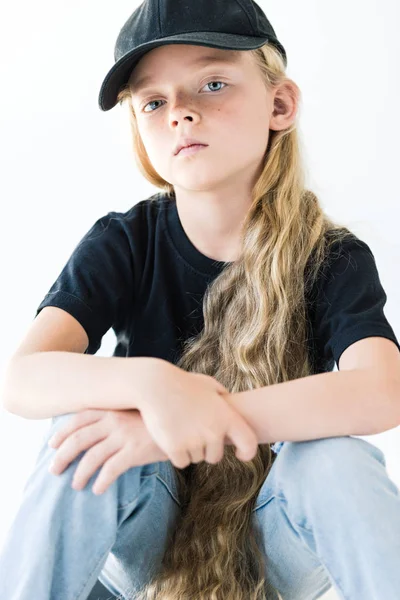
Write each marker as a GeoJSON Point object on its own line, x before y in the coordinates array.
{"type": "Point", "coordinates": [139, 273]}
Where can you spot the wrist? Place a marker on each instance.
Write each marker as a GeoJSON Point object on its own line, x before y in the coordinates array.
{"type": "Point", "coordinates": [140, 376]}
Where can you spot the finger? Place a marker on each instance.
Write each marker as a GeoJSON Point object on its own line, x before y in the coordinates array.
{"type": "Point", "coordinates": [115, 466]}
{"type": "Point", "coordinates": [93, 460]}
{"type": "Point", "coordinates": [197, 454]}
{"type": "Point", "coordinates": [179, 459]}
{"type": "Point", "coordinates": [77, 421]}
{"type": "Point", "coordinates": [77, 442]}
{"type": "Point", "coordinates": [244, 438]}
{"type": "Point", "coordinates": [215, 452]}
{"type": "Point", "coordinates": [221, 389]}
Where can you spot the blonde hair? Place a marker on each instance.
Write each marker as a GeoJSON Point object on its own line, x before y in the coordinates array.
{"type": "Point", "coordinates": [255, 335]}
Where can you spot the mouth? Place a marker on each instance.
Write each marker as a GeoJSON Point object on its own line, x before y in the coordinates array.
{"type": "Point", "coordinates": [192, 149]}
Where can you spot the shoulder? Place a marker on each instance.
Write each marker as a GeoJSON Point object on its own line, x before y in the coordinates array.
{"type": "Point", "coordinates": [345, 257]}
{"type": "Point", "coordinates": [130, 224]}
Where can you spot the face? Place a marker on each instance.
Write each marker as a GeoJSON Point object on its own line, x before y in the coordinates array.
{"type": "Point", "coordinates": [223, 104]}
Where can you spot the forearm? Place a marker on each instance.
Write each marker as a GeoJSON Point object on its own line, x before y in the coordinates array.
{"type": "Point", "coordinates": [324, 405]}
{"type": "Point", "coordinates": [45, 384]}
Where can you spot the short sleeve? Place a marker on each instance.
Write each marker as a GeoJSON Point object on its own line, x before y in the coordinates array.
{"type": "Point", "coordinates": [349, 303]}
{"type": "Point", "coordinates": [95, 284]}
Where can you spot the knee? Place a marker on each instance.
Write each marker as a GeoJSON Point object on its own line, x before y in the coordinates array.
{"type": "Point", "coordinates": [324, 462]}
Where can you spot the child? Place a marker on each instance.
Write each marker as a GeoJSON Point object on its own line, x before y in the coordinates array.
{"type": "Point", "coordinates": [232, 278]}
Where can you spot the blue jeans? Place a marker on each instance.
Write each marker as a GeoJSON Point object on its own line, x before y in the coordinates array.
{"type": "Point", "coordinates": [328, 513]}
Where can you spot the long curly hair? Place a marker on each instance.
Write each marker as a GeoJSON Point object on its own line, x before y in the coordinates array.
{"type": "Point", "coordinates": [255, 334]}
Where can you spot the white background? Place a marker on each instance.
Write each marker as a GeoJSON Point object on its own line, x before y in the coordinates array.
{"type": "Point", "coordinates": [65, 163]}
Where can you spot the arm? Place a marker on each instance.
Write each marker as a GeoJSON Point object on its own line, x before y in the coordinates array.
{"type": "Point", "coordinates": [45, 384]}
{"type": "Point", "coordinates": [349, 402]}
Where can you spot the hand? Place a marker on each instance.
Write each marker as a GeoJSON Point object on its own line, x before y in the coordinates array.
{"type": "Point", "coordinates": [118, 440]}
{"type": "Point", "coordinates": [189, 418]}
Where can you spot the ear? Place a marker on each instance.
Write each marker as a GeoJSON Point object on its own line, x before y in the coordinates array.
{"type": "Point", "coordinates": [286, 97]}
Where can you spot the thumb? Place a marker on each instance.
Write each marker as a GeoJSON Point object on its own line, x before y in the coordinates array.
{"type": "Point", "coordinates": [243, 437]}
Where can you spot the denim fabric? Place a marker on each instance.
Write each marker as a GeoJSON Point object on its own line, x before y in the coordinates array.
{"type": "Point", "coordinates": [277, 446]}
{"type": "Point", "coordinates": [328, 515]}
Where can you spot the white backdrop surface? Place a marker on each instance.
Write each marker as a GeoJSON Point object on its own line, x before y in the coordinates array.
{"type": "Point", "coordinates": [64, 162]}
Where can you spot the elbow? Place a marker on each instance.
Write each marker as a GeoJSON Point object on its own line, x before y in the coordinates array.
{"type": "Point", "coordinates": [8, 400]}
{"type": "Point", "coordinates": [394, 393]}
{"type": "Point", "coordinates": [388, 408]}
{"type": "Point", "coordinates": [7, 405]}
{"type": "Point", "coordinates": [13, 407]}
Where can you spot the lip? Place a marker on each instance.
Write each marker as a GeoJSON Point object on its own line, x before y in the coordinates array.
{"type": "Point", "coordinates": [186, 142]}
{"type": "Point", "coordinates": [191, 149]}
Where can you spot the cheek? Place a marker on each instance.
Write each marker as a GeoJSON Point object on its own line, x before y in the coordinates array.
{"type": "Point", "coordinates": [239, 119]}
{"type": "Point", "coordinates": [223, 130]}
{"type": "Point", "coordinates": [146, 133]}
{"type": "Point", "coordinates": [253, 128]}
{"type": "Point", "coordinates": [156, 149]}
{"type": "Point", "coordinates": [242, 132]}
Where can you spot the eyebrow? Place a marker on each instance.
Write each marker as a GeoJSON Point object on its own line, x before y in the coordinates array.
{"type": "Point", "coordinates": [209, 59]}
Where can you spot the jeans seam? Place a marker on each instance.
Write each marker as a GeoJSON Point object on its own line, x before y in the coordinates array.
{"type": "Point", "coordinates": [264, 503]}
{"type": "Point", "coordinates": [173, 496]}
{"type": "Point", "coordinates": [297, 527]}
{"type": "Point", "coordinates": [96, 566]}
{"type": "Point", "coordinates": [123, 506]}
{"type": "Point", "coordinates": [281, 496]}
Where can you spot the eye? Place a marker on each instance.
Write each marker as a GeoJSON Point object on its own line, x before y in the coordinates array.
{"type": "Point", "coordinates": [153, 101]}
